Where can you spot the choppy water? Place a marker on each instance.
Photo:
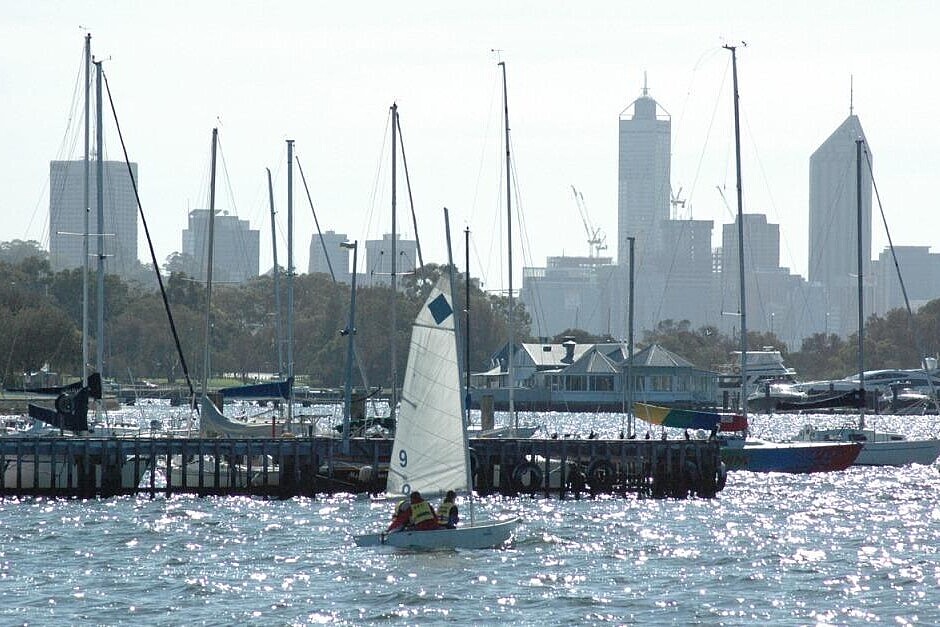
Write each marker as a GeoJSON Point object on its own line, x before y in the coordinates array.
{"type": "Point", "coordinates": [853, 547]}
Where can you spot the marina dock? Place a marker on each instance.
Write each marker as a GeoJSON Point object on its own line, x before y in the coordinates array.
{"type": "Point", "coordinates": [287, 467]}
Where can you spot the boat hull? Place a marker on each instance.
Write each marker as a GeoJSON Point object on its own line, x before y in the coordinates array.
{"type": "Point", "coordinates": [899, 453]}
{"type": "Point", "coordinates": [879, 448]}
{"type": "Point", "coordinates": [792, 457]}
{"type": "Point", "coordinates": [481, 536]}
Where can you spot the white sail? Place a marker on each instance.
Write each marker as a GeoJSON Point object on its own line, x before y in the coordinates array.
{"type": "Point", "coordinates": [430, 452]}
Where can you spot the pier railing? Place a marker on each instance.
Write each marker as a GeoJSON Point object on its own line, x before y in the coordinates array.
{"type": "Point", "coordinates": [286, 467]}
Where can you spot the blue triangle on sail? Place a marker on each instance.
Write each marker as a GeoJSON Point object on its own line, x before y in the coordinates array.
{"type": "Point", "coordinates": [440, 309]}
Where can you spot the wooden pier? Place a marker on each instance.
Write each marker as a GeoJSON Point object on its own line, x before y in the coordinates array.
{"type": "Point", "coordinates": [286, 467]}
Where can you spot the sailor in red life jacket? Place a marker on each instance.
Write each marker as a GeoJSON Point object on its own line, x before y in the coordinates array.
{"type": "Point", "coordinates": [401, 517]}
{"type": "Point", "coordinates": [447, 515]}
{"type": "Point", "coordinates": [423, 517]}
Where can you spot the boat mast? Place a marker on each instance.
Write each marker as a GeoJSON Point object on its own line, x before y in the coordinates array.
{"type": "Point", "coordinates": [631, 419]}
{"type": "Point", "coordinates": [509, 371]}
{"type": "Point", "coordinates": [394, 399]}
{"type": "Point", "coordinates": [466, 328]}
{"type": "Point", "coordinates": [464, 398]}
{"type": "Point", "coordinates": [99, 132]}
{"type": "Point", "coordinates": [277, 283]}
{"type": "Point", "coordinates": [87, 206]}
{"type": "Point", "coordinates": [743, 301]}
{"type": "Point", "coordinates": [350, 332]}
{"type": "Point", "coordinates": [210, 238]}
{"type": "Point", "coordinates": [861, 314]}
{"type": "Point", "coordinates": [290, 277]}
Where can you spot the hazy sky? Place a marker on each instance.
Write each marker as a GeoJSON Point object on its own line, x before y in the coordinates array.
{"type": "Point", "coordinates": [325, 74]}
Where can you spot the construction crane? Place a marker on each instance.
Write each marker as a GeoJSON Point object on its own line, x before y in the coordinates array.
{"type": "Point", "coordinates": [597, 241]}
{"type": "Point", "coordinates": [676, 202]}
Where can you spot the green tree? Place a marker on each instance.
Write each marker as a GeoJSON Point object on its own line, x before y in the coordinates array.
{"type": "Point", "coordinates": [17, 251]}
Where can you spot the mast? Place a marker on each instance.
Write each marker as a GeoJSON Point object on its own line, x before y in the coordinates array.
{"type": "Point", "coordinates": [394, 399]}
{"type": "Point", "coordinates": [350, 332]}
{"type": "Point", "coordinates": [99, 345]}
{"type": "Point", "coordinates": [466, 328]}
{"type": "Point", "coordinates": [87, 206]}
{"type": "Point", "coordinates": [290, 275]}
{"type": "Point", "coordinates": [743, 301]}
{"type": "Point", "coordinates": [277, 283]}
{"type": "Point", "coordinates": [512, 339]}
{"type": "Point", "coordinates": [210, 238]}
{"type": "Point", "coordinates": [631, 421]}
{"type": "Point", "coordinates": [861, 313]}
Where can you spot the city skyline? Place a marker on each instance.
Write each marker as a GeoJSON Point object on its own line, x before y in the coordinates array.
{"type": "Point", "coordinates": [326, 77]}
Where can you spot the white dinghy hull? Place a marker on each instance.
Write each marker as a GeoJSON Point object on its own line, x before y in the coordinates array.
{"type": "Point", "coordinates": [481, 536]}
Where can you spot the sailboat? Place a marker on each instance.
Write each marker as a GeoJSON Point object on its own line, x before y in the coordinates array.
{"type": "Point", "coordinates": [879, 448]}
{"type": "Point", "coordinates": [742, 452]}
{"type": "Point", "coordinates": [212, 422]}
{"type": "Point", "coordinates": [431, 451]}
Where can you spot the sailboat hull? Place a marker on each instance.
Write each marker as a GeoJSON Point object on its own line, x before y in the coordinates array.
{"type": "Point", "coordinates": [793, 457]}
{"type": "Point", "coordinates": [481, 536]}
{"type": "Point", "coordinates": [879, 448]}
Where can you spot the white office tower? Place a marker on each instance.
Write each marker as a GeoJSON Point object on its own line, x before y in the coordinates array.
{"type": "Point", "coordinates": [833, 261]}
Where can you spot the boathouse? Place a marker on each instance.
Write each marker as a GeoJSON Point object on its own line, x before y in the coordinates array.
{"type": "Point", "coordinates": [568, 376]}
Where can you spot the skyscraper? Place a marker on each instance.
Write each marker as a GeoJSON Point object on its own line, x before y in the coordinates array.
{"type": "Point", "coordinates": [329, 244]}
{"type": "Point", "coordinates": [235, 251]}
{"type": "Point", "coordinates": [378, 262]}
{"type": "Point", "coordinates": [67, 216]}
{"type": "Point", "coordinates": [643, 176]}
{"type": "Point", "coordinates": [833, 221]}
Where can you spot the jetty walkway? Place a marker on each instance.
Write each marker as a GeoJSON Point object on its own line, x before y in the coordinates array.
{"type": "Point", "coordinates": [88, 467]}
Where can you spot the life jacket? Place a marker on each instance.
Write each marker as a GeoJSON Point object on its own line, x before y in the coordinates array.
{"type": "Point", "coordinates": [443, 512]}
{"type": "Point", "coordinates": [421, 512]}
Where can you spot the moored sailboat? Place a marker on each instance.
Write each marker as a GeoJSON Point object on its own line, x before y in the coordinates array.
{"type": "Point", "coordinates": [879, 448]}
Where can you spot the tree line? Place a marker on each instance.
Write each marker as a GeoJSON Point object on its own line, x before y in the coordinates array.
{"type": "Point", "coordinates": [41, 325]}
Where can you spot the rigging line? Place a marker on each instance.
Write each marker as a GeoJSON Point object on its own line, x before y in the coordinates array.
{"type": "Point", "coordinates": [897, 267]}
{"type": "Point", "coordinates": [326, 253]}
{"type": "Point", "coordinates": [378, 173]}
{"type": "Point", "coordinates": [709, 52]}
{"type": "Point", "coordinates": [708, 133]}
{"type": "Point", "coordinates": [241, 259]}
{"type": "Point", "coordinates": [770, 195]}
{"type": "Point", "coordinates": [153, 254]}
{"type": "Point", "coordinates": [524, 239]}
{"type": "Point", "coordinates": [66, 147]}
{"type": "Point", "coordinates": [414, 219]}
{"type": "Point", "coordinates": [484, 148]}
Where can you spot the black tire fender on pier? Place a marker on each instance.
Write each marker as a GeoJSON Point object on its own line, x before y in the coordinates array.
{"type": "Point", "coordinates": [601, 474]}
{"type": "Point", "coordinates": [530, 471]}
{"type": "Point", "coordinates": [63, 404]}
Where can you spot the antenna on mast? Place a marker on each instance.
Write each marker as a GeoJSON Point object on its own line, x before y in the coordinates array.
{"type": "Point", "coordinates": [646, 90]}
{"type": "Point", "coordinates": [851, 94]}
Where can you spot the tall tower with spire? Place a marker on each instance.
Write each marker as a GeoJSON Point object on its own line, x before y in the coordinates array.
{"type": "Point", "coordinates": [832, 219]}
{"type": "Point", "coordinates": [643, 175]}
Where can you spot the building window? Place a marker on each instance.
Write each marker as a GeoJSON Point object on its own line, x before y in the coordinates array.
{"type": "Point", "coordinates": [661, 383]}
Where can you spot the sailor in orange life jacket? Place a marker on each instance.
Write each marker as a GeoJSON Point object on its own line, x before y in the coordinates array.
{"type": "Point", "coordinates": [401, 517]}
{"type": "Point", "coordinates": [423, 517]}
{"type": "Point", "coordinates": [447, 512]}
